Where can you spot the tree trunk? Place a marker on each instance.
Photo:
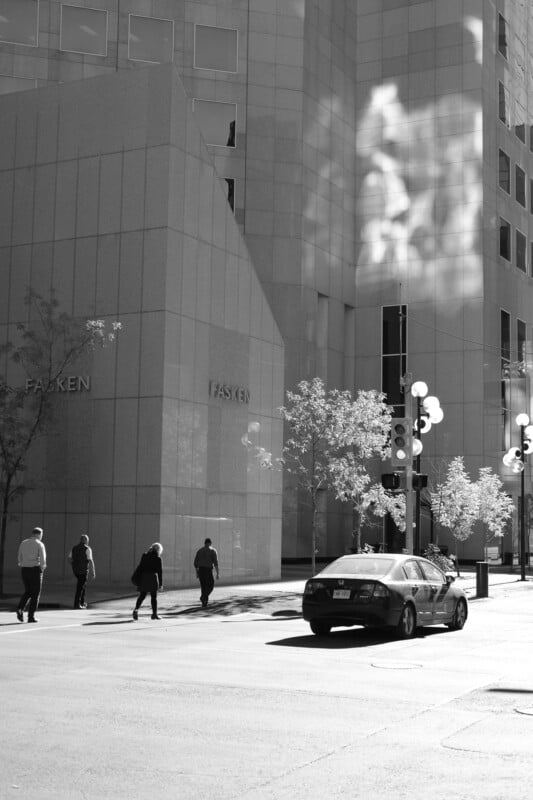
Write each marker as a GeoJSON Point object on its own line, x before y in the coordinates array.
{"type": "Point", "coordinates": [313, 535]}
{"type": "Point", "coordinates": [356, 531]}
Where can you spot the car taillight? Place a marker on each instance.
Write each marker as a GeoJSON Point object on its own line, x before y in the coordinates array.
{"type": "Point", "coordinates": [365, 592]}
{"type": "Point", "coordinates": [312, 586]}
{"type": "Point", "coordinates": [381, 591]}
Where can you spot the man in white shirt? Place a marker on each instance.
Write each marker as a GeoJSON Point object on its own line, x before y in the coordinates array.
{"type": "Point", "coordinates": [32, 563]}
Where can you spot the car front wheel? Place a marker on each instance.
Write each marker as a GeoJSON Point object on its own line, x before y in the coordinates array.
{"type": "Point", "coordinates": [459, 616]}
{"type": "Point", "coordinates": [319, 627]}
{"type": "Point", "coordinates": [407, 623]}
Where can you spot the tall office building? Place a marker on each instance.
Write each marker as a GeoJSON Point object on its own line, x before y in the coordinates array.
{"type": "Point", "coordinates": [365, 163]}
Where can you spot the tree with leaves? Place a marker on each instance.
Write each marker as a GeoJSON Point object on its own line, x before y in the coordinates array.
{"type": "Point", "coordinates": [495, 506]}
{"type": "Point", "coordinates": [455, 503]}
{"type": "Point", "coordinates": [44, 351]}
{"type": "Point", "coordinates": [329, 425]}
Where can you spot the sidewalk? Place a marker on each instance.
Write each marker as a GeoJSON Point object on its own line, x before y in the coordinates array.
{"type": "Point", "coordinates": [274, 598]}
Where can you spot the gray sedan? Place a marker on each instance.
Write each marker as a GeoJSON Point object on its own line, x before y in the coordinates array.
{"type": "Point", "coordinates": [387, 590]}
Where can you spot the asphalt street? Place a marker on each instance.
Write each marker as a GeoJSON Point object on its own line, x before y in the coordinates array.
{"type": "Point", "coordinates": [240, 701]}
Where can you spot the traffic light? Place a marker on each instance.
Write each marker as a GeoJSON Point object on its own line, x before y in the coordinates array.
{"type": "Point", "coordinates": [390, 481]}
{"type": "Point", "coordinates": [419, 481]}
{"type": "Point", "coordinates": [401, 442]}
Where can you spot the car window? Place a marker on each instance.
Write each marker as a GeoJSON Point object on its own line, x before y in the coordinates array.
{"type": "Point", "coordinates": [359, 565]}
{"type": "Point", "coordinates": [412, 571]}
{"type": "Point", "coordinates": [432, 573]}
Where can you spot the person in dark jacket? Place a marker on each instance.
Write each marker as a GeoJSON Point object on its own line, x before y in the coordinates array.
{"type": "Point", "coordinates": [205, 560]}
{"type": "Point", "coordinates": [150, 572]}
{"type": "Point", "coordinates": [82, 563]}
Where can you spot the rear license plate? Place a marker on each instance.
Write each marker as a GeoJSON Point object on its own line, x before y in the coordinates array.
{"type": "Point", "coordinates": [341, 594]}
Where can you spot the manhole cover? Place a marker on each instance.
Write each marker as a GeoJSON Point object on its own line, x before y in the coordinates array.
{"type": "Point", "coordinates": [526, 710]}
{"type": "Point", "coordinates": [395, 665]}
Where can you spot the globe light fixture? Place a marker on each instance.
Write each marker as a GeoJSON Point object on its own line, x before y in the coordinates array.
{"type": "Point", "coordinates": [515, 459]}
{"type": "Point", "coordinates": [419, 389]}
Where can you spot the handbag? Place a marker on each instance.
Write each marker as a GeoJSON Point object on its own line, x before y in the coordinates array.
{"type": "Point", "coordinates": [136, 577]}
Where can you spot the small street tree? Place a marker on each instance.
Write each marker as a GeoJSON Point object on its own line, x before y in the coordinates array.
{"type": "Point", "coordinates": [324, 426]}
{"type": "Point", "coordinates": [495, 506]}
{"type": "Point", "coordinates": [352, 483]}
{"type": "Point", "coordinates": [455, 503]}
{"type": "Point", "coordinates": [44, 351]}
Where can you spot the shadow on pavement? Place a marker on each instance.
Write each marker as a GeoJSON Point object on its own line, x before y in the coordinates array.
{"type": "Point", "coordinates": [352, 638]}
{"type": "Point", "coordinates": [504, 690]}
{"type": "Point", "coordinates": [109, 622]}
{"type": "Point", "coordinates": [236, 604]}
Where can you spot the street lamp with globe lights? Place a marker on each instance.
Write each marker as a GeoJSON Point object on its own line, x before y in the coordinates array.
{"type": "Point", "coordinates": [428, 413]}
{"type": "Point", "coordinates": [515, 458]}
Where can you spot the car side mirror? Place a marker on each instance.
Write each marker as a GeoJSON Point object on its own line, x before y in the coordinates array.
{"type": "Point", "coordinates": [450, 577]}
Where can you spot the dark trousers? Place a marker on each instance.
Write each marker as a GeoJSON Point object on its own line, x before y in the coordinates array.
{"type": "Point", "coordinates": [207, 582]}
{"type": "Point", "coordinates": [32, 578]}
{"type": "Point", "coordinates": [79, 597]}
{"type": "Point", "coordinates": [153, 600]}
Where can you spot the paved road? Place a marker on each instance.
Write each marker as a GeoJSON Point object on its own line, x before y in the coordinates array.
{"type": "Point", "coordinates": [250, 706]}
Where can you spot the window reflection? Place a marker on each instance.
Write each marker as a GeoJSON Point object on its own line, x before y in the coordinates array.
{"type": "Point", "coordinates": [83, 30]}
{"type": "Point", "coordinates": [521, 251]}
{"type": "Point", "coordinates": [503, 103]}
{"type": "Point", "coordinates": [19, 21]}
{"type": "Point", "coordinates": [230, 192]}
{"type": "Point", "coordinates": [215, 48]}
{"type": "Point", "coordinates": [505, 239]}
{"type": "Point", "coordinates": [520, 185]}
{"type": "Point", "coordinates": [505, 172]}
{"type": "Point", "coordinates": [151, 39]}
{"type": "Point", "coordinates": [216, 121]}
{"type": "Point", "coordinates": [503, 35]}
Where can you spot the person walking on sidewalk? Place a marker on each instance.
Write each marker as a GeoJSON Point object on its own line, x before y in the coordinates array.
{"type": "Point", "coordinates": [81, 560]}
{"type": "Point", "coordinates": [32, 563]}
{"type": "Point", "coordinates": [205, 561]}
{"type": "Point", "coordinates": [149, 575]}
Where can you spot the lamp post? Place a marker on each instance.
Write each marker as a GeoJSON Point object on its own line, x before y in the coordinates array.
{"type": "Point", "coordinates": [428, 413]}
{"type": "Point", "coordinates": [516, 459]}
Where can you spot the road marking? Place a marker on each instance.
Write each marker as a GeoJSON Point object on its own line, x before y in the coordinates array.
{"type": "Point", "coordinates": [26, 629]}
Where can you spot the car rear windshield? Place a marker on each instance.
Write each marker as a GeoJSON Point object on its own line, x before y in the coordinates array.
{"type": "Point", "coordinates": [366, 565]}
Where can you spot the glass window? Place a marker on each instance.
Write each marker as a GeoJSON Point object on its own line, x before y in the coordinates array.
{"type": "Point", "coordinates": [520, 185]}
{"type": "Point", "coordinates": [83, 30]}
{"type": "Point", "coordinates": [10, 84]}
{"type": "Point", "coordinates": [394, 328]}
{"type": "Point", "coordinates": [215, 48]}
{"type": "Point", "coordinates": [230, 192]}
{"type": "Point", "coordinates": [521, 257]}
{"type": "Point", "coordinates": [412, 571]}
{"type": "Point", "coordinates": [393, 354]}
{"type": "Point", "coordinates": [531, 138]}
{"type": "Point", "coordinates": [503, 102]}
{"type": "Point", "coordinates": [359, 565]}
{"type": "Point", "coordinates": [432, 572]}
{"type": "Point", "coordinates": [19, 21]}
{"type": "Point", "coordinates": [503, 35]}
{"type": "Point", "coordinates": [531, 196]}
{"type": "Point", "coordinates": [505, 172]}
{"type": "Point", "coordinates": [151, 39]}
{"type": "Point", "coordinates": [520, 121]}
{"type": "Point", "coordinates": [216, 121]}
{"type": "Point", "coordinates": [505, 239]}
{"type": "Point", "coordinates": [520, 339]}
{"type": "Point", "coordinates": [505, 362]}
{"type": "Point", "coordinates": [505, 338]}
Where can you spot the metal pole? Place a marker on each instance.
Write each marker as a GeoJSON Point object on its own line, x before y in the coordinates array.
{"type": "Point", "coordinates": [417, 536]}
{"type": "Point", "coordinates": [522, 509]}
{"type": "Point", "coordinates": [408, 471]}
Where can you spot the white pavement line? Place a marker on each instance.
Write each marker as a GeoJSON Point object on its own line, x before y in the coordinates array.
{"type": "Point", "coordinates": [29, 628]}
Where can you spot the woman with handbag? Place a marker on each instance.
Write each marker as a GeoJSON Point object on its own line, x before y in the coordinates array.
{"type": "Point", "coordinates": [149, 578]}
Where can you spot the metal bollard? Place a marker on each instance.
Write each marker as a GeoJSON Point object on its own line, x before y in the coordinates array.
{"type": "Point", "coordinates": [482, 579]}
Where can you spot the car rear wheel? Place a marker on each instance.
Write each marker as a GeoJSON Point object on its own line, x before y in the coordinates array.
{"type": "Point", "coordinates": [407, 623]}
{"type": "Point", "coordinates": [319, 627]}
{"type": "Point", "coordinates": [459, 616]}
